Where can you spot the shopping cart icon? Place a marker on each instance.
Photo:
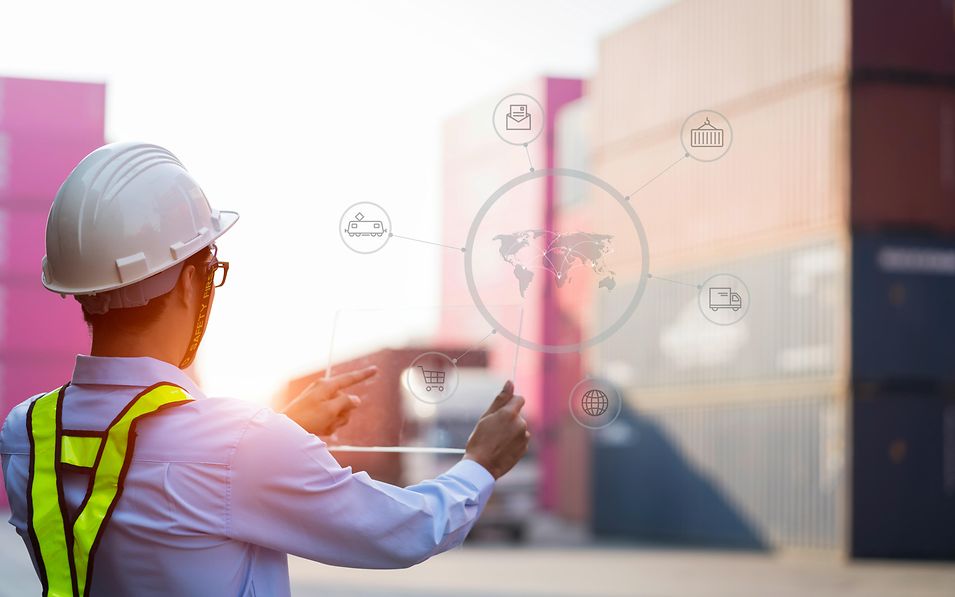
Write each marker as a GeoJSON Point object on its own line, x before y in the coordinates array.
{"type": "Point", "coordinates": [433, 378]}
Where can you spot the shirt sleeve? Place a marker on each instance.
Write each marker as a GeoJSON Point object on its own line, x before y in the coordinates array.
{"type": "Point", "coordinates": [289, 494]}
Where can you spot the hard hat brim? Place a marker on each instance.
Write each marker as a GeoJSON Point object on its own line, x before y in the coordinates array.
{"type": "Point", "coordinates": [227, 219]}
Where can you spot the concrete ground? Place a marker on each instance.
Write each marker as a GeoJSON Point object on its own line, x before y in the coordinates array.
{"type": "Point", "coordinates": [582, 569]}
{"type": "Point", "coordinates": [609, 571]}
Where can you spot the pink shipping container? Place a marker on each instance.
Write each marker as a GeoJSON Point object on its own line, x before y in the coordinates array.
{"type": "Point", "coordinates": [62, 108]}
{"type": "Point", "coordinates": [46, 128]}
{"type": "Point", "coordinates": [33, 164]}
{"type": "Point", "coordinates": [21, 224]}
{"type": "Point", "coordinates": [25, 374]}
{"type": "Point", "coordinates": [39, 321]}
{"type": "Point", "coordinates": [577, 317]}
{"type": "Point", "coordinates": [476, 163]}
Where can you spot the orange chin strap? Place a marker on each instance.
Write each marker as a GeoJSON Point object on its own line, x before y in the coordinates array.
{"type": "Point", "coordinates": [202, 318]}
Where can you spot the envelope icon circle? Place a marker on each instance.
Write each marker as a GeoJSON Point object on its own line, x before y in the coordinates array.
{"type": "Point", "coordinates": [517, 120]}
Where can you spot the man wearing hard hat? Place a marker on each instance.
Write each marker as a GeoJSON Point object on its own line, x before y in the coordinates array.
{"type": "Point", "coordinates": [129, 481]}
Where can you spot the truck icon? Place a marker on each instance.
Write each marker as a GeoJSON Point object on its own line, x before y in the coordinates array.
{"type": "Point", "coordinates": [362, 227]}
{"type": "Point", "coordinates": [725, 298]}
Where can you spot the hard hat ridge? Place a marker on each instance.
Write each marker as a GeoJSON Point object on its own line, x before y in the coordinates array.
{"type": "Point", "coordinates": [113, 175]}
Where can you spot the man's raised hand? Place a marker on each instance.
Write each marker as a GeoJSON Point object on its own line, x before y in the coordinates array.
{"type": "Point", "coordinates": [327, 403]}
{"type": "Point", "coordinates": [500, 437]}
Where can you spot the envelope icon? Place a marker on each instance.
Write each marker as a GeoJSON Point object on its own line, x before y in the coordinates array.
{"type": "Point", "coordinates": [517, 118]}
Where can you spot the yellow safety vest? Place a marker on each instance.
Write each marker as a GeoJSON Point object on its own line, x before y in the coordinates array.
{"type": "Point", "coordinates": [64, 552]}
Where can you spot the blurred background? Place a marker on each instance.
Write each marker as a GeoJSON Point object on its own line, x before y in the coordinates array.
{"type": "Point", "coordinates": [810, 447]}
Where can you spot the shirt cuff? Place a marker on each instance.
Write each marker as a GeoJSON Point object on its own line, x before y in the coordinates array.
{"type": "Point", "coordinates": [474, 474]}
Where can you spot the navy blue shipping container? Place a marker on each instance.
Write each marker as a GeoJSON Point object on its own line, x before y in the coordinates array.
{"type": "Point", "coordinates": [903, 309]}
{"type": "Point", "coordinates": [903, 473]}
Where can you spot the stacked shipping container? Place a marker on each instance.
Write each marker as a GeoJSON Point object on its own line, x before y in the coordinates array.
{"type": "Point", "coordinates": [733, 434]}
{"type": "Point", "coordinates": [903, 277]}
{"type": "Point", "coordinates": [46, 127]}
{"type": "Point", "coordinates": [741, 434]}
{"type": "Point", "coordinates": [574, 305]}
{"type": "Point", "coordinates": [744, 419]}
{"type": "Point", "coordinates": [476, 163]}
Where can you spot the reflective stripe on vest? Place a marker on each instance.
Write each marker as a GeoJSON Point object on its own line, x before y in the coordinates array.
{"type": "Point", "coordinates": [80, 450]}
{"type": "Point", "coordinates": [64, 552]}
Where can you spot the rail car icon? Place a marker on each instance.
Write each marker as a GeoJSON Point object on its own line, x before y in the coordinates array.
{"type": "Point", "coordinates": [362, 227]}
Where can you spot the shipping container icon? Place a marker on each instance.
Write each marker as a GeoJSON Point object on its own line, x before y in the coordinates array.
{"type": "Point", "coordinates": [725, 298]}
{"type": "Point", "coordinates": [706, 135]}
{"type": "Point", "coordinates": [362, 227]}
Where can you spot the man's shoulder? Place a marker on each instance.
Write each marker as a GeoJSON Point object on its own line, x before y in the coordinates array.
{"type": "Point", "coordinates": [232, 408]}
{"type": "Point", "coordinates": [206, 430]}
{"type": "Point", "coordinates": [224, 417]}
{"type": "Point", "coordinates": [13, 433]}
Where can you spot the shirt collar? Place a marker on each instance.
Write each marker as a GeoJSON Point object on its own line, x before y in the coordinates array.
{"type": "Point", "coordinates": [131, 371]}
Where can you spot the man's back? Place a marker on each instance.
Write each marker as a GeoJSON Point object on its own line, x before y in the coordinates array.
{"type": "Point", "coordinates": [218, 491]}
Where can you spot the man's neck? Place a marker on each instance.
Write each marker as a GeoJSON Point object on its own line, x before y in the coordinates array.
{"type": "Point", "coordinates": [145, 344]}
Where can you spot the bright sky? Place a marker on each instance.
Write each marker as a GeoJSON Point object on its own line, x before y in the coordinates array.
{"type": "Point", "coordinates": [288, 114]}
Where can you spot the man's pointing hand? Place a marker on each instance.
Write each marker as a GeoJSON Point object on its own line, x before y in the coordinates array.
{"type": "Point", "coordinates": [326, 404]}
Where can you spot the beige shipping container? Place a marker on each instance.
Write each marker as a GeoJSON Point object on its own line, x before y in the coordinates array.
{"type": "Point", "coordinates": [785, 176]}
{"type": "Point", "coordinates": [698, 54]}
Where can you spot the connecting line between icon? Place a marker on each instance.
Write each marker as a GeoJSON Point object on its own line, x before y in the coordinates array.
{"type": "Point", "coordinates": [397, 449]}
{"type": "Point", "coordinates": [528, 153]}
{"type": "Point", "coordinates": [664, 171]}
{"type": "Point", "coordinates": [517, 346]}
{"type": "Point", "coordinates": [427, 242]}
{"type": "Point", "coordinates": [653, 277]}
{"type": "Point", "coordinates": [473, 348]}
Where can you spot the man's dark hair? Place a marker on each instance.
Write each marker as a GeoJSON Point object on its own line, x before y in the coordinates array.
{"type": "Point", "coordinates": [137, 319]}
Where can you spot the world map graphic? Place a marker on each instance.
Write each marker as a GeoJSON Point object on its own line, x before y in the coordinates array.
{"type": "Point", "coordinates": [560, 253]}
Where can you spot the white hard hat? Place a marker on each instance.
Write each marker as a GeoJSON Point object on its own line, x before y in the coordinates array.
{"type": "Point", "coordinates": [128, 211]}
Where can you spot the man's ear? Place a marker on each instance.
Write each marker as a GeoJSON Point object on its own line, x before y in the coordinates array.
{"type": "Point", "coordinates": [185, 286]}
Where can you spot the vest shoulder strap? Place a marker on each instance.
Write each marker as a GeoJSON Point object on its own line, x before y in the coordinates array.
{"type": "Point", "coordinates": [63, 551]}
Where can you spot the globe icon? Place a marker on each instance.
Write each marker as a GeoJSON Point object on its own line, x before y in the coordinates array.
{"type": "Point", "coordinates": [595, 402]}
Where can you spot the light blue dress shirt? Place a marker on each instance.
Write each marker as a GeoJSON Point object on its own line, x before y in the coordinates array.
{"type": "Point", "coordinates": [219, 491]}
